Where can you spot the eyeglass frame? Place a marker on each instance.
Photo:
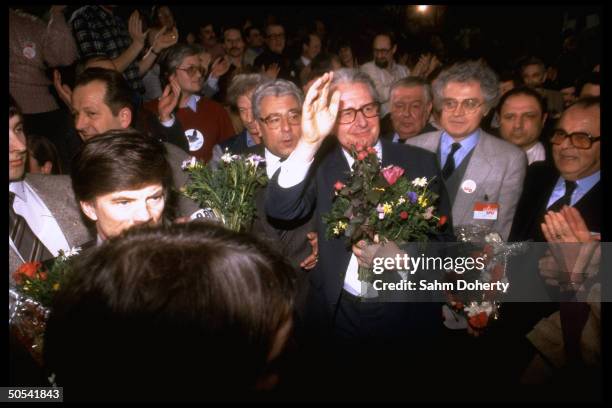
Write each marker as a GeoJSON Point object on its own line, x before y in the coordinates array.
{"type": "Point", "coordinates": [276, 36]}
{"type": "Point", "coordinates": [377, 104]}
{"type": "Point", "coordinates": [462, 104]}
{"type": "Point", "coordinates": [192, 73]}
{"type": "Point", "coordinates": [296, 112]}
{"type": "Point", "coordinates": [592, 139]}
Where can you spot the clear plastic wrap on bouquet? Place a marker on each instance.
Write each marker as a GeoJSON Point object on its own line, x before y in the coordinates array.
{"type": "Point", "coordinates": [27, 322]}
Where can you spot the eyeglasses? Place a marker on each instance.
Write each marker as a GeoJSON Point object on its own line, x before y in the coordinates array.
{"type": "Point", "coordinates": [580, 140]}
{"type": "Point", "coordinates": [194, 69]}
{"type": "Point", "coordinates": [409, 108]}
{"type": "Point", "coordinates": [274, 120]}
{"type": "Point", "coordinates": [346, 116]}
{"type": "Point", "coordinates": [468, 105]}
{"type": "Point", "coordinates": [381, 50]}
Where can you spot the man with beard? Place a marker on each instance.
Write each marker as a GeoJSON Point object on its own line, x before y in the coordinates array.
{"type": "Point", "coordinates": [234, 54]}
{"type": "Point", "coordinates": [383, 70]}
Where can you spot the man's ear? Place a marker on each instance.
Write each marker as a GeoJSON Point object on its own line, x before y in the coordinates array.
{"type": "Point", "coordinates": [394, 49]}
{"type": "Point", "coordinates": [125, 117]}
{"type": "Point", "coordinates": [428, 108]}
{"type": "Point", "coordinates": [544, 117]}
{"type": "Point", "coordinates": [89, 210]}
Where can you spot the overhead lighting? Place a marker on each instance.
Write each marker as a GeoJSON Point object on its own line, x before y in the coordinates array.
{"type": "Point", "coordinates": [422, 9]}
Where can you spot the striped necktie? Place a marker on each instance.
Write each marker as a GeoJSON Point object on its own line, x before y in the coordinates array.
{"type": "Point", "coordinates": [27, 243]}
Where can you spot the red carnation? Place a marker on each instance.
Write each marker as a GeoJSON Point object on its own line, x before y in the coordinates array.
{"type": "Point", "coordinates": [479, 321]}
{"type": "Point", "coordinates": [404, 215]}
{"type": "Point", "coordinates": [371, 150]}
{"type": "Point", "coordinates": [442, 220]}
{"type": "Point", "coordinates": [339, 185]}
{"type": "Point", "coordinates": [362, 155]}
{"type": "Point", "coordinates": [27, 270]}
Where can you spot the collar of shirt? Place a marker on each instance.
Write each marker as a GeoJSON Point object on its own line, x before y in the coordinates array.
{"type": "Point", "coordinates": [305, 61]}
{"type": "Point", "coordinates": [583, 186]}
{"type": "Point", "coordinates": [249, 140]}
{"type": "Point", "coordinates": [192, 102]}
{"type": "Point", "coordinates": [273, 162]}
{"type": "Point", "coordinates": [467, 145]}
{"type": "Point", "coordinates": [396, 138]}
{"type": "Point", "coordinates": [350, 160]}
{"type": "Point", "coordinates": [536, 153]}
{"type": "Point", "coordinates": [18, 187]}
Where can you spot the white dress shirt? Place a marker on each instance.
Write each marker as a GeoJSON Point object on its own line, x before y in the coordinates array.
{"type": "Point", "coordinates": [536, 153]}
{"type": "Point", "coordinates": [383, 78]}
{"type": "Point", "coordinates": [42, 223]}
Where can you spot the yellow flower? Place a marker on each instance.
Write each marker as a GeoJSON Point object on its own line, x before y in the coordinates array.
{"type": "Point", "coordinates": [423, 202]}
{"type": "Point", "coordinates": [336, 231]}
{"type": "Point", "coordinates": [342, 225]}
{"type": "Point", "coordinates": [387, 208]}
{"type": "Point", "coordinates": [379, 189]}
{"type": "Point", "coordinates": [56, 286]}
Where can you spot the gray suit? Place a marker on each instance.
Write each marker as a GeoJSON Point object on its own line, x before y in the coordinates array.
{"type": "Point", "coordinates": [56, 192]}
{"type": "Point", "coordinates": [497, 169]}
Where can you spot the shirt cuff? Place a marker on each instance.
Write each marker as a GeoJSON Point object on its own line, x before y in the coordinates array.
{"type": "Point", "coordinates": [168, 123]}
{"type": "Point", "coordinates": [294, 169]}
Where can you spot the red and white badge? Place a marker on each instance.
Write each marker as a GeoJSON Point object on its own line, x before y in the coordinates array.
{"type": "Point", "coordinates": [485, 211]}
{"type": "Point", "coordinates": [468, 186]}
{"type": "Point", "coordinates": [29, 50]}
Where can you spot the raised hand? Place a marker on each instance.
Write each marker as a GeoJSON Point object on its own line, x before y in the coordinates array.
{"type": "Point", "coordinates": [165, 38]}
{"type": "Point", "coordinates": [219, 67]}
{"type": "Point", "coordinates": [135, 28]}
{"type": "Point", "coordinates": [168, 101]}
{"type": "Point", "coordinates": [319, 112]}
{"type": "Point", "coordinates": [271, 71]}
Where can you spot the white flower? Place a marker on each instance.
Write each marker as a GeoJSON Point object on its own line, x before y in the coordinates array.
{"type": "Point", "coordinates": [381, 215]}
{"type": "Point", "coordinates": [419, 182]}
{"type": "Point", "coordinates": [227, 158]}
{"type": "Point", "coordinates": [428, 213]}
{"type": "Point", "coordinates": [401, 200]}
{"type": "Point", "coordinates": [475, 308]}
{"type": "Point", "coordinates": [72, 252]}
{"type": "Point", "coordinates": [189, 163]}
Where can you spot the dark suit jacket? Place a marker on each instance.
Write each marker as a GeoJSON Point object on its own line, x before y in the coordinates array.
{"type": "Point", "coordinates": [238, 144]}
{"type": "Point", "coordinates": [317, 192]}
{"type": "Point", "coordinates": [539, 183]}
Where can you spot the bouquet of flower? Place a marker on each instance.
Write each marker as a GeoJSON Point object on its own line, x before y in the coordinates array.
{"type": "Point", "coordinates": [227, 190]}
{"type": "Point", "coordinates": [29, 301]}
{"type": "Point", "coordinates": [379, 205]}
{"type": "Point", "coordinates": [474, 310]}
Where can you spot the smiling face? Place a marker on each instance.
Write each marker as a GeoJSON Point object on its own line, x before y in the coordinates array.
{"type": "Point", "coordinates": [116, 212]}
{"type": "Point", "coordinates": [190, 82]}
{"type": "Point", "coordinates": [17, 148]}
{"type": "Point", "coordinates": [362, 131]}
{"type": "Point", "coordinates": [281, 141]}
{"type": "Point", "coordinates": [458, 123]}
{"type": "Point", "coordinates": [574, 163]}
{"type": "Point", "coordinates": [92, 116]}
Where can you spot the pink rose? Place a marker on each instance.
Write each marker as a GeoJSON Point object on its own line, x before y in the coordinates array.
{"type": "Point", "coordinates": [392, 174]}
{"type": "Point", "coordinates": [339, 185]}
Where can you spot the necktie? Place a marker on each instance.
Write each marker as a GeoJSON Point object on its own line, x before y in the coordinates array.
{"type": "Point", "coordinates": [570, 186]}
{"type": "Point", "coordinates": [449, 166]}
{"type": "Point", "coordinates": [27, 243]}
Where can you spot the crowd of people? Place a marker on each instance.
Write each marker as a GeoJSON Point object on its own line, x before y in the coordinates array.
{"type": "Point", "coordinates": [103, 112]}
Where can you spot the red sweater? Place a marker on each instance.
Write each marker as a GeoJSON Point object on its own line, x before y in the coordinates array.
{"type": "Point", "coordinates": [206, 127]}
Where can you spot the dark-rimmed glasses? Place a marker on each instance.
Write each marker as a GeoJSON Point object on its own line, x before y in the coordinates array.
{"type": "Point", "coordinates": [468, 105]}
{"type": "Point", "coordinates": [370, 110]}
{"type": "Point", "coordinates": [580, 140]}
{"type": "Point", "coordinates": [194, 69]}
{"type": "Point", "coordinates": [274, 120]}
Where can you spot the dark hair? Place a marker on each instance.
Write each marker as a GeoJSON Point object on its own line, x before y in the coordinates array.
{"type": "Point", "coordinates": [388, 34]}
{"type": "Point", "coordinates": [43, 151]}
{"type": "Point", "coordinates": [590, 78]}
{"type": "Point", "coordinates": [532, 61]}
{"type": "Point", "coordinates": [508, 75]}
{"type": "Point", "coordinates": [305, 39]}
{"type": "Point", "coordinates": [321, 64]}
{"type": "Point", "coordinates": [14, 109]}
{"type": "Point", "coordinates": [247, 31]}
{"type": "Point", "coordinates": [232, 27]}
{"type": "Point", "coordinates": [119, 160]}
{"type": "Point", "coordinates": [523, 90]}
{"type": "Point", "coordinates": [118, 92]}
{"type": "Point", "coordinates": [184, 311]}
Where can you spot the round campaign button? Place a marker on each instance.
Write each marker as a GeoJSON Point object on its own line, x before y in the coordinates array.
{"type": "Point", "coordinates": [195, 139]}
{"type": "Point", "coordinates": [468, 186]}
{"type": "Point", "coordinates": [29, 50]}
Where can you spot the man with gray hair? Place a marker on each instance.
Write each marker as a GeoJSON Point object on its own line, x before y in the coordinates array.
{"type": "Point", "coordinates": [411, 103]}
{"type": "Point", "coordinates": [483, 174]}
{"type": "Point", "coordinates": [238, 98]}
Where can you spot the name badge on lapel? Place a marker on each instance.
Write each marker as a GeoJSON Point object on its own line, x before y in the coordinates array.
{"type": "Point", "coordinates": [485, 211]}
